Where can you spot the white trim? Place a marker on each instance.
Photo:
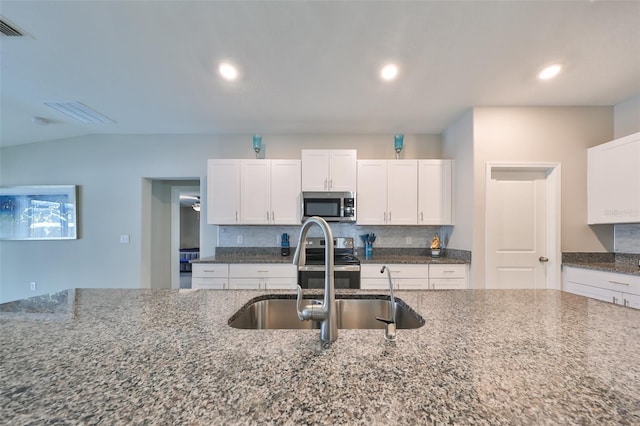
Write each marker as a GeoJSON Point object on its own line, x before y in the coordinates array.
{"type": "Point", "coordinates": [554, 209]}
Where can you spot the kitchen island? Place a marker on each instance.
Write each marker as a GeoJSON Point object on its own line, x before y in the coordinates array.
{"type": "Point", "coordinates": [170, 357]}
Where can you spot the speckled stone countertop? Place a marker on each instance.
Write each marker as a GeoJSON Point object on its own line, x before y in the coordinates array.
{"type": "Point", "coordinates": [488, 357]}
{"type": "Point", "coordinates": [382, 255]}
{"type": "Point", "coordinates": [608, 262]}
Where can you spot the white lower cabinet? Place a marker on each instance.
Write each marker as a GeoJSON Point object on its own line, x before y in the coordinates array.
{"type": "Point", "coordinates": [621, 289]}
{"type": "Point", "coordinates": [403, 277]}
{"type": "Point", "coordinates": [262, 276]}
{"type": "Point", "coordinates": [449, 276]}
{"type": "Point", "coordinates": [213, 276]}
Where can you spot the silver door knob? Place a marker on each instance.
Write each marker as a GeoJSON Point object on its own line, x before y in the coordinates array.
{"type": "Point", "coordinates": [543, 259]}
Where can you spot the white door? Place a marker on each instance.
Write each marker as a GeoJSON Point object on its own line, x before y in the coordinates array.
{"type": "Point", "coordinates": [372, 192]}
{"type": "Point", "coordinates": [516, 229]}
{"type": "Point", "coordinates": [223, 192]}
{"type": "Point", "coordinates": [285, 192]}
{"type": "Point", "coordinates": [402, 192]}
{"type": "Point", "coordinates": [315, 169]}
{"type": "Point", "coordinates": [255, 196]}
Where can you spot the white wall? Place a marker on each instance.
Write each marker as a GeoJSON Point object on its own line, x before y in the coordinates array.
{"type": "Point", "coordinates": [118, 179]}
{"type": "Point", "coordinates": [627, 117]}
{"type": "Point", "coordinates": [542, 134]}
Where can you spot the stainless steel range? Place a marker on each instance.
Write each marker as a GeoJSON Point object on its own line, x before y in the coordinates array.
{"type": "Point", "coordinates": [346, 265]}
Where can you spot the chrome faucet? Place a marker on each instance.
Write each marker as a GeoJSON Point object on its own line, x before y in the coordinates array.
{"type": "Point", "coordinates": [327, 312]}
{"type": "Point", "coordinates": [390, 329]}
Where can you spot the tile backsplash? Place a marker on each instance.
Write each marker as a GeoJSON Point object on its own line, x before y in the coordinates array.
{"type": "Point", "coordinates": [386, 236]}
{"type": "Point", "coordinates": [627, 238]}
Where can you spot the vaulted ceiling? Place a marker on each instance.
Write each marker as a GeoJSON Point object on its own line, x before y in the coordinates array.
{"type": "Point", "coordinates": [305, 66]}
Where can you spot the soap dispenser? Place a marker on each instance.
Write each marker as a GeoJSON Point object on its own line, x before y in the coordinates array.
{"type": "Point", "coordinates": [284, 245]}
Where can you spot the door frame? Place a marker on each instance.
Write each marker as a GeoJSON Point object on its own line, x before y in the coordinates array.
{"type": "Point", "coordinates": [553, 196]}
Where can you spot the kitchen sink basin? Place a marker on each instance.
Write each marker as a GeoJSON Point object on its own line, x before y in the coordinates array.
{"type": "Point", "coordinates": [353, 312]}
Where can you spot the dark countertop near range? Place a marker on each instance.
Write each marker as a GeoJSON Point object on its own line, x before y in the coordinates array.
{"type": "Point", "coordinates": [380, 256]}
{"type": "Point", "coordinates": [621, 263]}
{"type": "Point", "coordinates": [484, 357]}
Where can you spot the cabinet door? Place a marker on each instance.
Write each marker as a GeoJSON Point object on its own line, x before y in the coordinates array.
{"type": "Point", "coordinates": [614, 181]}
{"type": "Point", "coordinates": [412, 284]}
{"type": "Point", "coordinates": [223, 192]}
{"type": "Point", "coordinates": [315, 169]}
{"type": "Point", "coordinates": [342, 170]}
{"type": "Point", "coordinates": [245, 283]}
{"type": "Point", "coordinates": [374, 284]}
{"type": "Point", "coordinates": [280, 283]}
{"type": "Point", "coordinates": [209, 283]}
{"type": "Point", "coordinates": [285, 192]}
{"type": "Point", "coordinates": [448, 283]}
{"type": "Point", "coordinates": [434, 192]}
{"type": "Point", "coordinates": [255, 196]}
{"type": "Point", "coordinates": [402, 192]}
{"type": "Point", "coordinates": [372, 192]}
{"type": "Point", "coordinates": [631, 300]}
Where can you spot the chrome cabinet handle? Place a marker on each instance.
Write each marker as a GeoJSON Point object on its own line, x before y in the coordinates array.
{"type": "Point", "coordinates": [618, 282]}
{"type": "Point", "coordinates": [389, 217]}
{"type": "Point", "coordinates": [236, 216]}
{"type": "Point", "coordinates": [421, 216]}
{"type": "Point", "coordinates": [273, 217]}
{"type": "Point", "coordinates": [267, 216]}
{"type": "Point", "coordinates": [326, 181]}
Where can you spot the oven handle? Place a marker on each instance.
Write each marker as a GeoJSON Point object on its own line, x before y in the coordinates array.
{"type": "Point", "coordinates": [338, 268]}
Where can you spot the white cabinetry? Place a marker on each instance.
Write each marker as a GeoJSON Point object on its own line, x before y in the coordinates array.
{"type": "Point", "coordinates": [262, 276]}
{"type": "Point", "coordinates": [270, 192]}
{"type": "Point", "coordinates": [614, 181]}
{"type": "Point", "coordinates": [611, 287]}
{"type": "Point", "coordinates": [329, 170]}
{"type": "Point", "coordinates": [448, 277]}
{"type": "Point", "coordinates": [210, 276]}
{"type": "Point", "coordinates": [253, 192]}
{"type": "Point", "coordinates": [223, 192]}
{"type": "Point", "coordinates": [403, 277]}
{"type": "Point", "coordinates": [387, 192]}
{"type": "Point", "coordinates": [434, 192]}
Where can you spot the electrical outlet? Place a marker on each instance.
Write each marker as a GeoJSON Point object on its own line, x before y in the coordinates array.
{"type": "Point", "coordinates": [124, 239]}
{"type": "Point", "coordinates": [239, 239]}
{"type": "Point", "coordinates": [278, 240]}
{"type": "Point", "coordinates": [408, 240]}
{"type": "Point", "coordinates": [33, 286]}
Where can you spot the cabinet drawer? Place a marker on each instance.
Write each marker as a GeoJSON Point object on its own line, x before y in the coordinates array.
{"type": "Point", "coordinates": [210, 270]}
{"type": "Point", "coordinates": [447, 271]}
{"type": "Point", "coordinates": [397, 271]}
{"type": "Point", "coordinates": [411, 284]}
{"type": "Point", "coordinates": [209, 283]}
{"type": "Point", "coordinates": [262, 270]}
{"type": "Point", "coordinates": [281, 283]}
{"type": "Point", "coordinates": [607, 280]}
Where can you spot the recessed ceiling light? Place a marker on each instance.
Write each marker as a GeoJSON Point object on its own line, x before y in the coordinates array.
{"type": "Point", "coordinates": [550, 72]}
{"type": "Point", "coordinates": [389, 72]}
{"type": "Point", "coordinates": [228, 71]}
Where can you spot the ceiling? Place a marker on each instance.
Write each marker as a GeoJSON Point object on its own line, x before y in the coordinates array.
{"type": "Point", "coordinates": [305, 67]}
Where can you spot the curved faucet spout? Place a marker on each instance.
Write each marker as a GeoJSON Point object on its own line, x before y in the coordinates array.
{"type": "Point", "coordinates": [327, 313]}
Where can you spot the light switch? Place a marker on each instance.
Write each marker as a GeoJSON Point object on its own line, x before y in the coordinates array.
{"type": "Point", "coordinates": [124, 239]}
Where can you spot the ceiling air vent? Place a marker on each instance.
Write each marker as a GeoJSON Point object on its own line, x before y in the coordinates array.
{"type": "Point", "coordinates": [8, 30]}
{"type": "Point", "coordinates": [80, 112]}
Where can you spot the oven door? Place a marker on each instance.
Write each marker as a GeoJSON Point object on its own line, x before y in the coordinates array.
{"type": "Point", "coordinates": [344, 277]}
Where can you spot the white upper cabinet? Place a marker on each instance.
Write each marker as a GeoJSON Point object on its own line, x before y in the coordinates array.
{"type": "Point", "coordinates": [434, 192]}
{"type": "Point", "coordinates": [223, 192]}
{"type": "Point", "coordinates": [329, 170]}
{"type": "Point", "coordinates": [614, 181]}
{"type": "Point", "coordinates": [387, 192]}
{"type": "Point", "coordinates": [285, 192]}
{"type": "Point", "coordinates": [253, 192]}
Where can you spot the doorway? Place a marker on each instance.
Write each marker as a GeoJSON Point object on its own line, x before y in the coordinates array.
{"type": "Point", "coordinates": [185, 233]}
{"type": "Point", "coordinates": [522, 230]}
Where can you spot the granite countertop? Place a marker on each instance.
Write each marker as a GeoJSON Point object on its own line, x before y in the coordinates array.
{"type": "Point", "coordinates": [607, 267]}
{"type": "Point", "coordinates": [622, 263]}
{"type": "Point", "coordinates": [489, 357]}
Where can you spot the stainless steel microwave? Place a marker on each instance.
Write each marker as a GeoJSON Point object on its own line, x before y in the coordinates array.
{"type": "Point", "coordinates": [331, 206]}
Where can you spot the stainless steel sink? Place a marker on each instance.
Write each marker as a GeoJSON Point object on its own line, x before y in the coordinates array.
{"type": "Point", "coordinates": [353, 312]}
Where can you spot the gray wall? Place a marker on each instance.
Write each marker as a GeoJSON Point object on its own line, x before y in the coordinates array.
{"type": "Point", "coordinates": [124, 184]}
{"type": "Point", "coordinates": [627, 121]}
